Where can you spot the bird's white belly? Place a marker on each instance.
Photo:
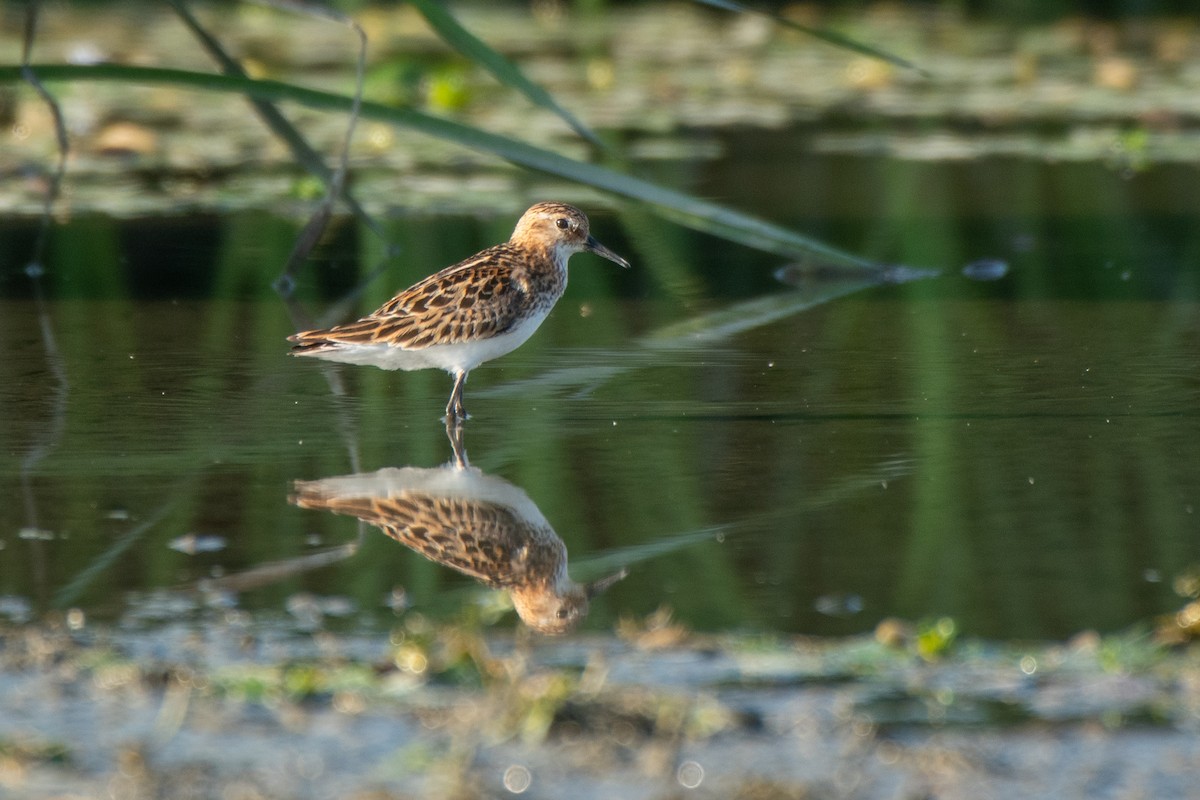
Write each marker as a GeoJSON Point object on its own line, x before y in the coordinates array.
{"type": "Point", "coordinates": [450, 357]}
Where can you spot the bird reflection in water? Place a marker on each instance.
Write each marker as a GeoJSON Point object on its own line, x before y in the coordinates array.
{"type": "Point", "coordinates": [477, 524]}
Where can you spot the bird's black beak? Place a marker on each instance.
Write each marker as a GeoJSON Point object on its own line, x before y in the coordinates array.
{"type": "Point", "coordinates": [602, 251]}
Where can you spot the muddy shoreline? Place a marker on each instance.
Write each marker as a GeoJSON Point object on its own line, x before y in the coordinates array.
{"type": "Point", "coordinates": [250, 709]}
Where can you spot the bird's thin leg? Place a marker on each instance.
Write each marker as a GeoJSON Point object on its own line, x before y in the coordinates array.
{"type": "Point", "coordinates": [454, 432]}
{"type": "Point", "coordinates": [455, 408]}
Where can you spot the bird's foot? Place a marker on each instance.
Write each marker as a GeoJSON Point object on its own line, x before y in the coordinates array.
{"type": "Point", "coordinates": [455, 415]}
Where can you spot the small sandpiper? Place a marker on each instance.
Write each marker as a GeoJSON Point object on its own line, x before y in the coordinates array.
{"type": "Point", "coordinates": [471, 312]}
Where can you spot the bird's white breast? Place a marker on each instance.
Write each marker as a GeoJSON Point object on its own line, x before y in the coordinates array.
{"type": "Point", "coordinates": [451, 357]}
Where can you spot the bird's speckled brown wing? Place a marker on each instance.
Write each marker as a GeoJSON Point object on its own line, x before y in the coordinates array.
{"type": "Point", "coordinates": [483, 540]}
{"type": "Point", "coordinates": [474, 299]}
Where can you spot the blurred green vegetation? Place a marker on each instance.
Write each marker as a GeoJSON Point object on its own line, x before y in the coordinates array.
{"type": "Point", "coordinates": [1019, 10]}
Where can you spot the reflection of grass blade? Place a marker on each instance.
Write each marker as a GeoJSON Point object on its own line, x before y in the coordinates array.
{"type": "Point", "coordinates": [685, 209]}
{"type": "Point", "coordinates": [34, 270]}
{"type": "Point", "coordinates": [58, 419]}
{"type": "Point", "coordinates": [853, 487]}
{"type": "Point", "coordinates": [624, 557]}
{"type": "Point", "coordinates": [832, 37]}
{"type": "Point", "coordinates": [274, 572]}
{"type": "Point", "coordinates": [502, 69]}
{"type": "Point", "coordinates": [750, 314]}
{"type": "Point", "coordinates": [79, 584]}
{"type": "Point", "coordinates": [706, 329]}
{"type": "Point", "coordinates": [849, 488]}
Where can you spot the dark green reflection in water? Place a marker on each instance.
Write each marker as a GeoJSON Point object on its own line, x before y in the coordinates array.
{"type": "Point", "coordinates": [1021, 455]}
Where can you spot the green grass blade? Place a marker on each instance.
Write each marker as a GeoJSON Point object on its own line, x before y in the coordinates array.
{"type": "Point", "coordinates": [278, 124]}
{"type": "Point", "coordinates": [466, 43]}
{"type": "Point", "coordinates": [689, 211]}
{"type": "Point", "coordinates": [831, 37]}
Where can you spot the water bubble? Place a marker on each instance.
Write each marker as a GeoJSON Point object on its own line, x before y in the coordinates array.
{"type": "Point", "coordinates": [32, 534]}
{"type": "Point", "coordinates": [193, 543]}
{"type": "Point", "coordinates": [411, 659]}
{"type": "Point", "coordinates": [1188, 616]}
{"type": "Point", "coordinates": [16, 608]}
{"type": "Point", "coordinates": [838, 604]}
{"type": "Point", "coordinates": [888, 753]}
{"type": "Point", "coordinates": [215, 597]}
{"type": "Point", "coordinates": [338, 606]}
{"type": "Point", "coordinates": [305, 608]}
{"type": "Point", "coordinates": [690, 775]}
{"type": "Point", "coordinates": [285, 284]}
{"type": "Point", "coordinates": [397, 599]}
{"type": "Point", "coordinates": [517, 778]}
{"type": "Point", "coordinates": [986, 269]}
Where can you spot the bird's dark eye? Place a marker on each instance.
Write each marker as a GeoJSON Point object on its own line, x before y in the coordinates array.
{"type": "Point", "coordinates": [562, 223]}
{"type": "Point", "coordinates": [562, 612]}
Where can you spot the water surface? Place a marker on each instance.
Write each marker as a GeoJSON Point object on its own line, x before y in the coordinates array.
{"type": "Point", "coordinates": [1018, 454]}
